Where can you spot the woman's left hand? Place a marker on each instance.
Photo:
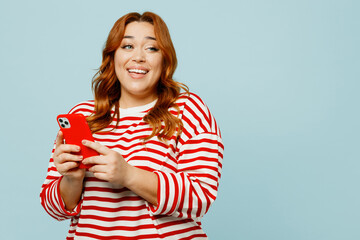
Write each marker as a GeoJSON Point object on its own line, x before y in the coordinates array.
{"type": "Point", "coordinates": [110, 166]}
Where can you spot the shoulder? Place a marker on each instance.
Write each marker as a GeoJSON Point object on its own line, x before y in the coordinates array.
{"type": "Point", "coordinates": [192, 105]}
{"type": "Point", "coordinates": [196, 115]}
{"type": "Point", "coordinates": [86, 108]}
{"type": "Point", "coordinates": [186, 98]}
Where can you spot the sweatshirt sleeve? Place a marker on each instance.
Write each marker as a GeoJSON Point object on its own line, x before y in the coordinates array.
{"type": "Point", "coordinates": [189, 192]}
{"type": "Point", "coordinates": [50, 197]}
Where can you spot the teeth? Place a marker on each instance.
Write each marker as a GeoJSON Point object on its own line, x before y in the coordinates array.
{"type": "Point", "coordinates": [137, 71]}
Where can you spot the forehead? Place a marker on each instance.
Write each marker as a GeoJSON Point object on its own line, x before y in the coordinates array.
{"type": "Point", "coordinates": [140, 30]}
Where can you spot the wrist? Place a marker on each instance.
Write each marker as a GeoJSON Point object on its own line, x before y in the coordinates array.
{"type": "Point", "coordinates": [129, 175]}
{"type": "Point", "coordinates": [73, 181]}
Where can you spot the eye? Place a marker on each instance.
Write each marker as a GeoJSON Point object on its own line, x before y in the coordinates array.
{"type": "Point", "coordinates": [153, 49]}
{"type": "Point", "coordinates": [127, 46]}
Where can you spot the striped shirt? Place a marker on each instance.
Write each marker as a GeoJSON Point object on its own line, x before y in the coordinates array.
{"type": "Point", "coordinates": [188, 171]}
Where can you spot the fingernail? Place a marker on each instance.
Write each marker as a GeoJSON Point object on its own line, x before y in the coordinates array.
{"type": "Point", "coordinates": [80, 157]}
{"type": "Point", "coordinates": [83, 141]}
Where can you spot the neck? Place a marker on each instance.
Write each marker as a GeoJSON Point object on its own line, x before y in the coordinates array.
{"type": "Point", "coordinates": [129, 101]}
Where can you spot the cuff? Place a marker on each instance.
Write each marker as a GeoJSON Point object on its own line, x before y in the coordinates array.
{"type": "Point", "coordinates": [75, 211]}
{"type": "Point", "coordinates": [170, 190]}
{"type": "Point", "coordinates": [154, 209]}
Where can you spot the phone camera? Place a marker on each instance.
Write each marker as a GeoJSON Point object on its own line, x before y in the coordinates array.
{"type": "Point", "coordinates": [64, 122]}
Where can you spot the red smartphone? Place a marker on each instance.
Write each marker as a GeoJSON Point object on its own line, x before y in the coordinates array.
{"type": "Point", "coordinates": [76, 129]}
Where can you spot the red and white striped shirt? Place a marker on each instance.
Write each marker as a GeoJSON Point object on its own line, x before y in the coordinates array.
{"type": "Point", "coordinates": [188, 171]}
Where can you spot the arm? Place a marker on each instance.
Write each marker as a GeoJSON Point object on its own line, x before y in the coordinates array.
{"type": "Point", "coordinates": [70, 191]}
{"type": "Point", "coordinates": [190, 192]}
{"type": "Point", "coordinates": [67, 164]}
{"type": "Point", "coordinates": [62, 189]}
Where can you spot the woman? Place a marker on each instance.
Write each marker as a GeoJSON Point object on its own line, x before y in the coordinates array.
{"type": "Point", "coordinates": [160, 150]}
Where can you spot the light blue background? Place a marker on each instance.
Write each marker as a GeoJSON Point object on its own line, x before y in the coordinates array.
{"type": "Point", "coordinates": [281, 77]}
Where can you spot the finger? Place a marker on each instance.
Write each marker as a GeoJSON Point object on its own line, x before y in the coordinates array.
{"type": "Point", "coordinates": [96, 146]}
{"type": "Point", "coordinates": [59, 139]}
{"type": "Point", "coordinates": [68, 157]}
{"type": "Point", "coordinates": [66, 167]}
{"type": "Point", "coordinates": [96, 160]}
{"type": "Point", "coordinates": [101, 176]}
{"type": "Point", "coordinates": [98, 169]}
{"type": "Point", "coordinates": [68, 148]}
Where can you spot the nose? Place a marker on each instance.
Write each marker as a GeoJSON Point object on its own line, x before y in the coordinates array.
{"type": "Point", "coordinates": [139, 56]}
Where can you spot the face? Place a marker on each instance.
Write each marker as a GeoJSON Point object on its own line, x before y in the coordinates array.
{"type": "Point", "coordinates": [138, 64]}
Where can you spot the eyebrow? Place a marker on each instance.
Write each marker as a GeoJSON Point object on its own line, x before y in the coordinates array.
{"type": "Point", "coordinates": [147, 37]}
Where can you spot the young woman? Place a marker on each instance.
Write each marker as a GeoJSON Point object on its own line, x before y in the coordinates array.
{"type": "Point", "coordinates": [160, 150]}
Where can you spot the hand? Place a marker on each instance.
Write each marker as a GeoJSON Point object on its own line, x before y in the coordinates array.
{"type": "Point", "coordinates": [67, 163]}
{"type": "Point", "coordinates": [110, 166]}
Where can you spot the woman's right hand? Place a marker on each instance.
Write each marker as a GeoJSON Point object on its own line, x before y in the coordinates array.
{"type": "Point", "coordinates": [66, 162]}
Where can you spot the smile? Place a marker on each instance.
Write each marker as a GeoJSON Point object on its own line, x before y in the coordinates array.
{"type": "Point", "coordinates": [139, 71]}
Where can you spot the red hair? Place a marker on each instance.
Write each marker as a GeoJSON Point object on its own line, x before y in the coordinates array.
{"type": "Point", "coordinates": [106, 86]}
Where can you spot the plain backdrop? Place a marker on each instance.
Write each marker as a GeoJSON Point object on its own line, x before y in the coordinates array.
{"type": "Point", "coordinates": [281, 77]}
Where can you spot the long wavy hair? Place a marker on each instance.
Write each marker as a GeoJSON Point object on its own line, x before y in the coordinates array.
{"type": "Point", "coordinates": [107, 89]}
